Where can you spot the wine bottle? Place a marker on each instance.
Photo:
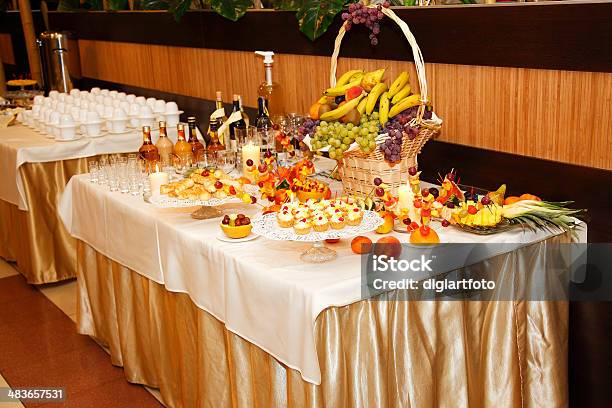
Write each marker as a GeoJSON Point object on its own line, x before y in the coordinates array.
{"type": "Point", "coordinates": [239, 124]}
{"type": "Point", "coordinates": [148, 152]}
{"type": "Point", "coordinates": [263, 121]}
{"type": "Point", "coordinates": [197, 148]}
{"type": "Point", "coordinates": [164, 145]}
{"type": "Point", "coordinates": [269, 89]}
{"type": "Point", "coordinates": [182, 149]}
{"type": "Point", "coordinates": [214, 146]}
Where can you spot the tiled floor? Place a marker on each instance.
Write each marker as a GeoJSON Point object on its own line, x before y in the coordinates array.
{"type": "Point", "coordinates": [39, 345]}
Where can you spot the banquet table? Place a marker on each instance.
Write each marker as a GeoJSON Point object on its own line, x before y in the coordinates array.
{"type": "Point", "coordinates": [35, 170]}
{"type": "Point", "coordinates": [213, 323]}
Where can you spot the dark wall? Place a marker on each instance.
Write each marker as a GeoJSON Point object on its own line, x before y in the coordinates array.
{"type": "Point", "coordinates": [10, 23]}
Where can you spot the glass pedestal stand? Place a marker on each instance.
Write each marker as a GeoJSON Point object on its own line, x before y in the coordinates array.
{"type": "Point", "coordinates": [318, 253]}
{"type": "Point", "coordinates": [206, 213]}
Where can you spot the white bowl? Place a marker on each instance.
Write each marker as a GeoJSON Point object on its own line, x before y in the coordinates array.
{"type": "Point", "coordinates": [38, 100]}
{"type": "Point", "coordinates": [116, 103]}
{"type": "Point", "coordinates": [147, 121]}
{"type": "Point", "coordinates": [121, 96]}
{"type": "Point", "coordinates": [172, 119]}
{"type": "Point", "coordinates": [104, 92]}
{"type": "Point", "coordinates": [108, 101]}
{"type": "Point", "coordinates": [66, 132]}
{"type": "Point", "coordinates": [140, 100]}
{"type": "Point", "coordinates": [171, 107]}
{"type": "Point", "coordinates": [113, 94]}
{"type": "Point", "coordinates": [95, 90]}
{"type": "Point", "coordinates": [131, 98]}
{"type": "Point", "coordinates": [53, 94]}
{"type": "Point", "coordinates": [61, 97]}
{"type": "Point", "coordinates": [74, 111]}
{"type": "Point", "coordinates": [116, 125]}
{"type": "Point", "coordinates": [151, 102]}
{"type": "Point", "coordinates": [75, 93]}
{"type": "Point", "coordinates": [159, 106]}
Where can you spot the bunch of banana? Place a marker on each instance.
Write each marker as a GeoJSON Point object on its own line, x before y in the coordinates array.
{"type": "Point", "coordinates": [341, 110]}
{"type": "Point", "coordinates": [407, 102]}
{"type": "Point", "coordinates": [348, 76]}
{"type": "Point", "coordinates": [404, 92]}
{"type": "Point", "coordinates": [383, 109]}
{"type": "Point", "coordinates": [362, 106]}
{"type": "Point", "coordinates": [373, 96]}
{"type": "Point", "coordinates": [399, 83]}
{"type": "Point", "coordinates": [354, 80]}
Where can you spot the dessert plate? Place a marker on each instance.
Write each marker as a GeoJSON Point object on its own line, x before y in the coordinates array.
{"type": "Point", "coordinates": [250, 237]}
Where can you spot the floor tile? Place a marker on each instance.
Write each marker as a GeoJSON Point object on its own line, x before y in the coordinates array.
{"type": "Point", "coordinates": [62, 295]}
{"type": "Point", "coordinates": [6, 269]}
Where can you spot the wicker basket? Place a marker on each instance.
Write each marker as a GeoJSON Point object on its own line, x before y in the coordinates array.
{"type": "Point", "coordinates": [358, 169]}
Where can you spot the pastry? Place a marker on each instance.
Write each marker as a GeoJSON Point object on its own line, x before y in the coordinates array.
{"type": "Point", "coordinates": [354, 216]}
{"type": "Point", "coordinates": [285, 219]}
{"type": "Point", "coordinates": [320, 223]}
{"type": "Point", "coordinates": [302, 227]}
{"type": "Point", "coordinates": [338, 221]}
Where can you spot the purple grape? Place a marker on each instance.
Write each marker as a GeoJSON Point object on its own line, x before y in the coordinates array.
{"type": "Point", "coordinates": [374, 41]}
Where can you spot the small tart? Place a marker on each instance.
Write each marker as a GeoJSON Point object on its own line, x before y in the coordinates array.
{"type": "Point", "coordinates": [302, 227]}
{"type": "Point", "coordinates": [338, 221]}
{"type": "Point", "coordinates": [320, 223]}
{"type": "Point", "coordinates": [331, 211]}
{"type": "Point", "coordinates": [285, 219]}
{"type": "Point", "coordinates": [354, 217]}
{"type": "Point", "coordinates": [301, 213]}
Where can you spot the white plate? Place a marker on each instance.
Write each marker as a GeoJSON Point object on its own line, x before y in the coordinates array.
{"type": "Point", "coordinates": [121, 133]}
{"type": "Point", "coordinates": [69, 140]}
{"type": "Point", "coordinates": [222, 237]}
{"type": "Point", "coordinates": [99, 135]}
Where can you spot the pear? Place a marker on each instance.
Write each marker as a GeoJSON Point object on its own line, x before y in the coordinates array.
{"type": "Point", "coordinates": [370, 79]}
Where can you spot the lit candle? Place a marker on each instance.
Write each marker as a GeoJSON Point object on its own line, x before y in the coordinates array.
{"type": "Point", "coordinates": [250, 151]}
{"type": "Point", "coordinates": [406, 197]}
{"type": "Point", "coordinates": [158, 179]}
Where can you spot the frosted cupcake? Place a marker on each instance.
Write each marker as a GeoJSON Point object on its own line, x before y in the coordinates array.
{"type": "Point", "coordinates": [338, 221]}
{"type": "Point", "coordinates": [285, 219]}
{"type": "Point", "coordinates": [354, 216]}
{"type": "Point", "coordinates": [331, 211]}
{"type": "Point", "coordinates": [302, 227]}
{"type": "Point", "coordinates": [320, 223]}
{"type": "Point", "coordinates": [301, 213]}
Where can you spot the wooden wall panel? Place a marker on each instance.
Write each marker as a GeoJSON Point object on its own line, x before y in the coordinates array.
{"type": "Point", "coordinates": [6, 49]}
{"type": "Point", "coordinates": [558, 115]}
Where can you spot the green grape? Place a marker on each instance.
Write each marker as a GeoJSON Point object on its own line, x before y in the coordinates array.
{"type": "Point", "coordinates": [346, 140]}
{"type": "Point", "coordinates": [332, 149]}
{"type": "Point", "coordinates": [363, 119]}
{"type": "Point", "coordinates": [344, 133]}
{"type": "Point", "coordinates": [373, 129]}
{"type": "Point", "coordinates": [366, 150]}
{"type": "Point", "coordinates": [323, 123]}
{"type": "Point", "coordinates": [364, 142]}
{"type": "Point", "coordinates": [349, 126]}
{"type": "Point", "coordinates": [363, 132]}
{"type": "Point", "coordinates": [344, 147]}
{"type": "Point", "coordinates": [332, 155]}
{"type": "Point", "coordinates": [372, 145]}
{"type": "Point", "coordinates": [374, 115]}
{"type": "Point", "coordinates": [337, 142]}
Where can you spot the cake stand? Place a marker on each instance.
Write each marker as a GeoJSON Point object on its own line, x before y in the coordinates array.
{"type": "Point", "coordinates": [267, 226]}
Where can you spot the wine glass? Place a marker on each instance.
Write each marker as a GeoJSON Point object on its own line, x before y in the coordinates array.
{"type": "Point", "coordinates": [226, 161]}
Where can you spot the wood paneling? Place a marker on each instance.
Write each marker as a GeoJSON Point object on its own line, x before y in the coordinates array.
{"type": "Point", "coordinates": [557, 115]}
{"type": "Point", "coordinates": [6, 49]}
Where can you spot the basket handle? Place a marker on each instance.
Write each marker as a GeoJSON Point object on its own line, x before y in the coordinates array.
{"type": "Point", "coordinates": [416, 53]}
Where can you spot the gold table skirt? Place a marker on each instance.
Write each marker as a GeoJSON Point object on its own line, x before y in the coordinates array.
{"type": "Point", "coordinates": [37, 239]}
{"type": "Point", "coordinates": [371, 353]}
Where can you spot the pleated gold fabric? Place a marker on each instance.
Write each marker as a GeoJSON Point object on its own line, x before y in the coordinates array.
{"type": "Point", "coordinates": [371, 353]}
{"type": "Point", "coordinates": [37, 239]}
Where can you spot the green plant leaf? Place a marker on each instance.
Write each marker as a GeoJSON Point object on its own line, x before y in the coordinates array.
{"type": "Point", "coordinates": [231, 9]}
{"type": "Point", "coordinates": [288, 5]}
{"type": "Point", "coordinates": [314, 16]}
{"type": "Point", "coordinates": [117, 4]}
{"type": "Point", "coordinates": [154, 4]}
{"type": "Point", "coordinates": [179, 7]}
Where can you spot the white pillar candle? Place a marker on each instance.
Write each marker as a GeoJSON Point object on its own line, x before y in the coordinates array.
{"type": "Point", "coordinates": [249, 151]}
{"type": "Point", "coordinates": [158, 179]}
{"type": "Point", "coordinates": [405, 196]}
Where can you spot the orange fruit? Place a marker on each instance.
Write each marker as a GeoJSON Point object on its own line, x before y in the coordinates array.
{"type": "Point", "coordinates": [530, 197]}
{"type": "Point", "coordinates": [389, 246]}
{"type": "Point", "coordinates": [244, 180]}
{"type": "Point", "coordinates": [424, 235]}
{"type": "Point", "coordinates": [361, 245]}
{"type": "Point", "coordinates": [511, 200]}
{"type": "Point", "coordinates": [387, 226]}
{"type": "Point", "coordinates": [313, 112]}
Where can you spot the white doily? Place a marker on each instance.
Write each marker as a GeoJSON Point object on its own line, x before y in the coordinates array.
{"type": "Point", "coordinates": [164, 201]}
{"type": "Point", "coordinates": [267, 226]}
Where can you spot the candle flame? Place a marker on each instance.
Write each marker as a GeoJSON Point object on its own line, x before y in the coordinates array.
{"type": "Point", "coordinates": [156, 168]}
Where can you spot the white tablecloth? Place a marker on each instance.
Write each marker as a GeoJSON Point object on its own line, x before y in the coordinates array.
{"type": "Point", "coordinates": [20, 144]}
{"type": "Point", "coordinates": [260, 289]}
